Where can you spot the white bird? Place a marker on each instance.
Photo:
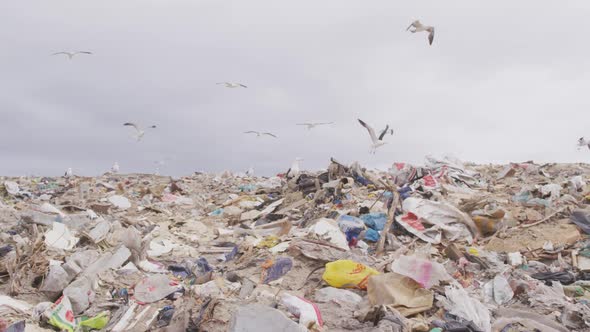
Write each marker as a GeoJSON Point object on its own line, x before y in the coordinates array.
{"type": "Point", "coordinates": [72, 54]}
{"type": "Point", "coordinates": [311, 125]}
{"type": "Point", "coordinates": [232, 85]}
{"type": "Point", "coordinates": [140, 132]}
{"type": "Point", "coordinates": [582, 142]}
{"type": "Point", "coordinates": [377, 141]}
{"type": "Point", "coordinates": [250, 172]}
{"type": "Point", "coordinates": [259, 134]}
{"type": "Point", "coordinates": [295, 169]}
{"type": "Point", "coordinates": [419, 27]}
{"type": "Point", "coordinates": [68, 173]}
{"type": "Point", "coordinates": [115, 168]}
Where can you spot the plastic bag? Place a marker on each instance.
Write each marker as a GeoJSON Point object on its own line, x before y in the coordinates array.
{"type": "Point", "coordinates": [277, 269]}
{"type": "Point", "coordinates": [498, 290]}
{"type": "Point", "coordinates": [308, 312]}
{"type": "Point", "coordinates": [552, 189]}
{"type": "Point", "coordinates": [423, 271]}
{"type": "Point", "coordinates": [400, 292]}
{"type": "Point", "coordinates": [154, 288]}
{"type": "Point", "coordinates": [329, 229]}
{"type": "Point", "coordinates": [97, 322]}
{"type": "Point", "coordinates": [371, 235]}
{"type": "Point", "coordinates": [165, 316]}
{"type": "Point", "coordinates": [565, 278]}
{"type": "Point", "coordinates": [60, 314]}
{"type": "Point", "coordinates": [402, 173]}
{"type": "Point", "coordinates": [580, 218]}
{"type": "Point", "coordinates": [375, 220]}
{"type": "Point", "coordinates": [347, 274]}
{"type": "Point", "coordinates": [429, 221]}
{"type": "Point", "coordinates": [331, 294]}
{"type": "Point", "coordinates": [352, 228]}
{"type": "Point", "coordinates": [459, 303]}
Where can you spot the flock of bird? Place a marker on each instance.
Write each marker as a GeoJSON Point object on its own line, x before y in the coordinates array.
{"type": "Point", "coordinates": [376, 141]}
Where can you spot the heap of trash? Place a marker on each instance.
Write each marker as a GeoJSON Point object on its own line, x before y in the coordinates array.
{"type": "Point", "coordinates": [446, 246]}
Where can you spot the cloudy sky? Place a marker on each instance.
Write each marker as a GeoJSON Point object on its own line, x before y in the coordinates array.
{"type": "Point", "coordinates": [504, 81]}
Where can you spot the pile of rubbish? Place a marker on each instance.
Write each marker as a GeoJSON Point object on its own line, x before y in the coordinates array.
{"type": "Point", "coordinates": [446, 246]}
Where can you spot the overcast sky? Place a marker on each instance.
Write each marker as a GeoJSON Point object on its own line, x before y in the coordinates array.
{"type": "Point", "coordinates": [503, 81]}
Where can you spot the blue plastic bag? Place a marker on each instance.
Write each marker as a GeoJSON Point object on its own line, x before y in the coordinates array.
{"type": "Point", "coordinates": [280, 267]}
{"type": "Point", "coordinates": [372, 235]}
{"type": "Point", "coordinates": [375, 220]}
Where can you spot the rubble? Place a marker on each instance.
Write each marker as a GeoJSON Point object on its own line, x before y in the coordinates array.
{"type": "Point", "coordinates": [444, 246]}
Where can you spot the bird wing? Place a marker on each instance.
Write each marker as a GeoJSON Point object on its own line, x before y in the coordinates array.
{"type": "Point", "coordinates": [371, 131]}
{"type": "Point", "coordinates": [431, 36]}
{"type": "Point", "coordinates": [269, 134]}
{"type": "Point", "coordinates": [383, 133]}
{"type": "Point", "coordinates": [132, 125]}
{"type": "Point", "coordinates": [415, 24]}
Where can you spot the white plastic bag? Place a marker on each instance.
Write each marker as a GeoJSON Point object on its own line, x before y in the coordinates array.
{"type": "Point", "coordinates": [328, 229]}
{"type": "Point", "coordinates": [308, 312]}
{"type": "Point", "coordinates": [459, 303]}
{"type": "Point", "coordinates": [430, 220]}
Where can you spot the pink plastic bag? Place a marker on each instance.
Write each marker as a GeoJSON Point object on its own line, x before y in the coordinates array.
{"type": "Point", "coordinates": [425, 272]}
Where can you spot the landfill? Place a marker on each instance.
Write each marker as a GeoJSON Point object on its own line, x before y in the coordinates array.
{"type": "Point", "coordinates": [444, 246]}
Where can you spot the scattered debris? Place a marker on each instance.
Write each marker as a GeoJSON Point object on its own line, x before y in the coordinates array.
{"type": "Point", "coordinates": [445, 246]}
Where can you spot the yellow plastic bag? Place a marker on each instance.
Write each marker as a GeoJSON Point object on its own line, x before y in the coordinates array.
{"type": "Point", "coordinates": [268, 242]}
{"type": "Point", "coordinates": [347, 274]}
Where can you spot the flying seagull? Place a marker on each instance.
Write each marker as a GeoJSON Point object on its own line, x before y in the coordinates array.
{"type": "Point", "coordinates": [140, 132]}
{"type": "Point", "coordinates": [311, 125]}
{"type": "Point", "coordinates": [72, 54]}
{"type": "Point", "coordinates": [583, 142]}
{"type": "Point", "coordinates": [232, 85]}
{"type": "Point", "coordinates": [418, 27]}
{"type": "Point", "coordinates": [377, 141]}
{"type": "Point", "coordinates": [258, 134]}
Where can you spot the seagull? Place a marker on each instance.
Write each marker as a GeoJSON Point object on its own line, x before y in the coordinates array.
{"type": "Point", "coordinates": [68, 173]}
{"type": "Point", "coordinates": [311, 125]}
{"type": "Point", "coordinates": [250, 172]}
{"type": "Point", "coordinates": [583, 142]}
{"type": "Point", "coordinates": [115, 168]}
{"type": "Point", "coordinates": [140, 132]}
{"type": "Point", "coordinates": [72, 54]}
{"type": "Point", "coordinates": [258, 134]}
{"type": "Point", "coordinates": [377, 141]}
{"type": "Point", "coordinates": [295, 169]}
{"type": "Point", "coordinates": [418, 27]}
{"type": "Point", "coordinates": [232, 85]}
